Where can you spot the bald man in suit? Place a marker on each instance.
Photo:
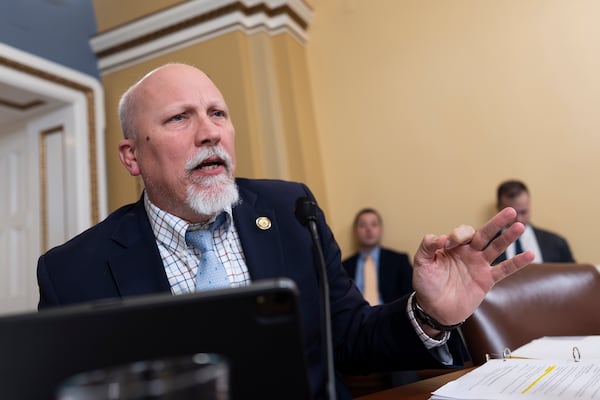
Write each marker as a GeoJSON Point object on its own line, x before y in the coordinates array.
{"type": "Point", "coordinates": [179, 137]}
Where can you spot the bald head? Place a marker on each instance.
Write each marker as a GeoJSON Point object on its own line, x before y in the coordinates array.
{"type": "Point", "coordinates": [153, 83]}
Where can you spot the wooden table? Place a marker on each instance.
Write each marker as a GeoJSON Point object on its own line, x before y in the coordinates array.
{"type": "Point", "coordinates": [420, 390]}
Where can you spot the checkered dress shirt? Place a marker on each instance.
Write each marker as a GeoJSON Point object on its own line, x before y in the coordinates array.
{"type": "Point", "coordinates": [181, 261]}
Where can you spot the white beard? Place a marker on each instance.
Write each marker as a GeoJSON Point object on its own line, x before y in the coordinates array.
{"type": "Point", "coordinates": [212, 194]}
{"type": "Point", "coordinates": [216, 194]}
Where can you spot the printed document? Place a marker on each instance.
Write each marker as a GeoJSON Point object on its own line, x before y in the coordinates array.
{"type": "Point", "coordinates": [527, 379]}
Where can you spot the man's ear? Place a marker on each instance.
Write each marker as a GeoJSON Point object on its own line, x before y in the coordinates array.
{"type": "Point", "coordinates": [128, 157]}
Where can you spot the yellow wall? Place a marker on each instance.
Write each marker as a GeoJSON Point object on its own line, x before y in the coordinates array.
{"type": "Point", "coordinates": [424, 106]}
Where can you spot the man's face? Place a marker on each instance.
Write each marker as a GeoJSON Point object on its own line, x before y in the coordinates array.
{"type": "Point", "coordinates": [184, 144]}
{"type": "Point", "coordinates": [368, 230]}
{"type": "Point", "coordinates": [520, 204]}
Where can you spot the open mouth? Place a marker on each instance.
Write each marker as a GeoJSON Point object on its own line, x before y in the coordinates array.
{"type": "Point", "coordinates": [210, 164]}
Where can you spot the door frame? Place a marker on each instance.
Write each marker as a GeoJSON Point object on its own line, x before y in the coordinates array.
{"type": "Point", "coordinates": [83, 96]}
{"type": "Point", "coordinates": [66, 169]}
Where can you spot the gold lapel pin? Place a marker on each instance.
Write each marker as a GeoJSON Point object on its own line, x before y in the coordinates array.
{"type": "Point", "coordinates": [263, 223]}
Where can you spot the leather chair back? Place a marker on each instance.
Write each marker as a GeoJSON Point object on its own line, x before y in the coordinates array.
{"type": "Point", "coordinates": [539, 300]}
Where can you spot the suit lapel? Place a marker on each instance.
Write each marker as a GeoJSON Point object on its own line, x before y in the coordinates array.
{"type": "Point", "coordinates": [542, 244]}
{"type": "Point", "coordinates": [261, 244]}
{"type": "Point", "coordinates": [138, 269]}
{"type": "Point", "coordinates": [385, 278]}
{"type": "Point", "coordinates": [351, 266]}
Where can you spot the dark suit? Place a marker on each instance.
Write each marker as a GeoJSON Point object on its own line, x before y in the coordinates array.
{"type": "Point", "coordinates": [119, 257]}
{"type": "Point", "coordinates": [554, 248]}
{"type": "Point", "coordinates": [394, 276]}
{"type": "Point", "coordinates": [394, 280]}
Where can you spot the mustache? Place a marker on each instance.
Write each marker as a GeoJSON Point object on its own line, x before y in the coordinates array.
{"type": "Point", "coordinates": [205, 153]}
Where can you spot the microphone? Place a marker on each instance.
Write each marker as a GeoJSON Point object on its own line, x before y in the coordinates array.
{"type": "Point", "coordinates": [306, 213]}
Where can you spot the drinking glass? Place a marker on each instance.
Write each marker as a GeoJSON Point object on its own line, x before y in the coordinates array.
{"type": "Point", "coordinates": [199, 376]}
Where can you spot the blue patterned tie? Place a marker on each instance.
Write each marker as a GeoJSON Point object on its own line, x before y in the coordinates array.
{"type": "Point", "coordinates": [211, 273]}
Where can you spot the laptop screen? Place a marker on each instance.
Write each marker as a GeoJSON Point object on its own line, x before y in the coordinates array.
{"type": "Point", "coordinates": [255, 328]}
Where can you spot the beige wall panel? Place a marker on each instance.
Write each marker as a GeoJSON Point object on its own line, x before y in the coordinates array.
{"type": "Point", "coordinates": [304, 155]}
{"type": "Point", "coordinates": [424, 106]}
{"type": "Point", "coordinates": [112, 13]}
{"type": "Point", "coordinates": [286, 142]}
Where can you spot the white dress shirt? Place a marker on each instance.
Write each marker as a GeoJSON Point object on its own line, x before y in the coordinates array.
{"type": "Point", "coordinates": [528, 242]}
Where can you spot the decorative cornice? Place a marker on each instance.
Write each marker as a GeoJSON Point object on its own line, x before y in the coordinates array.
{"type": "Point", "coordinates": [195, 21]}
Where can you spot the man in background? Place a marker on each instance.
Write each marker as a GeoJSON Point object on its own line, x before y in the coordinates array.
{"type": "Point", "coordinates": [382, 275]}
{"type": "Point", "coordinates": [547, 246]}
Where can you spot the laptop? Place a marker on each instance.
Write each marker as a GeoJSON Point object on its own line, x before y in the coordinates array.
{"type": "Point", "coordinates": [255, 328]}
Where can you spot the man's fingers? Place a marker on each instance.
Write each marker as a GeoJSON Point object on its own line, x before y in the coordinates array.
{"type": "Point", "coordinates": [500, 243]}
{"type": "Point", "coordinates": [462, 234]}
{"type": "Point", "coordinates": [507, 267]}
{"type": "Point", "coordinates": [488, 231]}
{"type": "Point", "coordinates": [430, 244]}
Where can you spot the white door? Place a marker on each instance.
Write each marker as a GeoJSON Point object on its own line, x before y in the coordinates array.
{"type": "Point", "coordinates": [52, 175]}
{"type": "Point", "coordinates": [34, 203]}
{"type": "Point", "coordinates": [19, 231]}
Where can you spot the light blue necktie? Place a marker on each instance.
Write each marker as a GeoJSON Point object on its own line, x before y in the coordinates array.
{"type": "Point", "coordinates": [211, 272]}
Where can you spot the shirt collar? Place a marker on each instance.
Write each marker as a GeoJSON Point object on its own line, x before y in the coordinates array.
{"type": "Point", "coordinates": [170, 229]}
{"type": "Point", "coordinates": [374, 253]}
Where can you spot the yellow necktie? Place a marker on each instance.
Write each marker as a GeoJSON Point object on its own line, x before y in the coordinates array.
{"type": "Point", "coordinates": [371, 293]}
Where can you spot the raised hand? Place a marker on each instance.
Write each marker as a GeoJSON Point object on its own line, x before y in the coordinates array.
{"type": "Point", "coordinates": [452, 273]}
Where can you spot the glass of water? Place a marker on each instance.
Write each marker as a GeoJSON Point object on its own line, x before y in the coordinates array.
{"type": "Point", "coordinates": [199, 376]}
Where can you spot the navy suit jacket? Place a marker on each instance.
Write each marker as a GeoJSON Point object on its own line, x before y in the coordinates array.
{"type": "Point", "coordinates": [394, 276]}
{"type": "Point", "coordinates": [119, 257]}
{"type": "Point", "coordinates": [554, 248]}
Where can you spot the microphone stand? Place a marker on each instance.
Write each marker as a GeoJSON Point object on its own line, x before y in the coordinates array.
{"type": "Point", "coordinates": [306, 212]}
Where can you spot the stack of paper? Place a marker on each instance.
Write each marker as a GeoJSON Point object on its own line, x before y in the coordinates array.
{"type": "Point", "coordinates": [543, 369]}
{"type": "Point", "coordinates": [561, 347]}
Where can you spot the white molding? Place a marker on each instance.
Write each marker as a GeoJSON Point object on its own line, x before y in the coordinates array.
{"type": "Point", "coordinates": [75, 98]}
{"type": "Point", "coordinates": [211, 28]}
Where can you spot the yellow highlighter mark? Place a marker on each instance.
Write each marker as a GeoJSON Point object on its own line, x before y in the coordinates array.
{"type": "Point", "coordinates": [548, 370]}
